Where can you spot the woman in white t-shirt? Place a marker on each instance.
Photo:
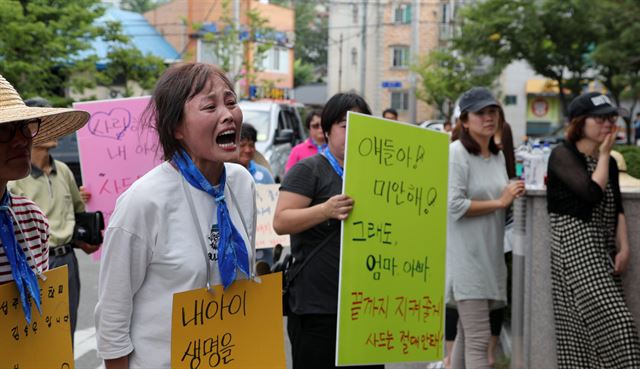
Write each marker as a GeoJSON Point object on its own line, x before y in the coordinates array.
{"type": "Point", "coordinates": [188, 223]}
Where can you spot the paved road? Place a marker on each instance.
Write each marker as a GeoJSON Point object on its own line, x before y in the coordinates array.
{"type": "Point", "coordinates": [85, 340]}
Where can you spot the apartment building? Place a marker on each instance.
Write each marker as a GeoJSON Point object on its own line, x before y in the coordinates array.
{"type": "Point", "coordinates": [372, 45]}
{"type": "Point", "coordinates": [184, 24]}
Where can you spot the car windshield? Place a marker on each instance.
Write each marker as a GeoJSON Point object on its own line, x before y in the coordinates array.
{"type": "Point", "coordinates": [260, 120]}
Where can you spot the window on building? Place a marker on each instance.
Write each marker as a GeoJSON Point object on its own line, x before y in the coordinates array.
{"type": "Point", "coordinates": [400, 100]}
{"type": "Point", "coordinates": [400, 56]}
{"type": "Point", "coordinates": [207, 52]}
{"type": "Point", "coordinates": [402, 14]}
{"type": "Point", "coordinates": [354, 56]}
{"type": "Point", "coordinates": [276, 59]}
{"type": "Point", "coordinates": [510, 100]}
{"type": "Point", "coordinates": [444, 14]}
{"type": "Point", "coordinates": [354, 13]}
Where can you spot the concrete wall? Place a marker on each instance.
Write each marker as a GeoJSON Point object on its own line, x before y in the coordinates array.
{"type": "Point", "coordinates": [538, 341]}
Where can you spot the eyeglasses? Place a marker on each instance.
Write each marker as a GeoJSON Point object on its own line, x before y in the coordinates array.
{"type": "Point", "coordinates": [28, 128]}
{"type": "Point", "coordinates": [601, 118]}
{"type": "Point", "coordinates": [315, 126]}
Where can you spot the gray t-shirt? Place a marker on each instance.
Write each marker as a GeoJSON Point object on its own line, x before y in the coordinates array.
{"type": "Point", "coordinates": [315, 288]}
{"type": "Point", "coordinates": [475, 255]}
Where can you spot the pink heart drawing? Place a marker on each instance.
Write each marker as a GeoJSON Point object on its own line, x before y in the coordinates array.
{"type": "Point", "coordinates": [111, 125]}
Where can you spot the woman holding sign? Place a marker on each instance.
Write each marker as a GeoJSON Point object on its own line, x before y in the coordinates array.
{"type": "Point", "coordinates": [479, 193]}
{"type": "Point", "coordinates": [187, 224]}
{"type": "Point", "coordinates": [310, 208]}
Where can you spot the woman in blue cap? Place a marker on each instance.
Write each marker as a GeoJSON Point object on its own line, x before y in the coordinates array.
{"type": "Point", "coordinates": [479, 193]}
{"type": "Point", "coordinates": [590, 245]}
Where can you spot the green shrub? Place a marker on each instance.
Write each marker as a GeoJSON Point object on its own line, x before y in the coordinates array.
{"type": "Point", "coordinates": [631, 155]}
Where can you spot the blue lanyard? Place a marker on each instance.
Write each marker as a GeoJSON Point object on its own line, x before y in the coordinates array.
{"type": "Point", "coordinates": [320, 148]}
{"type": "Point", "coordinates": [252, 168]}
{"type": "Point", "coordinates": [334, 163]}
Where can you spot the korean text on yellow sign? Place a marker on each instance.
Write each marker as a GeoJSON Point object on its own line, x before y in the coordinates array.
{"type": "Point", "coordinates": [391, 306]}
{"type": "Point", "coordinates": [46, 341]}
{"type": "Point", "coordinates": [238, 328]}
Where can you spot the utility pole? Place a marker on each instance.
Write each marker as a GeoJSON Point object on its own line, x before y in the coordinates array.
{"type": "Point", "coordinates": [340, 65]}
{"type": "Point", "coordinates": [363, 51]}
{"type": "Point", "coordinates": [413, 52]}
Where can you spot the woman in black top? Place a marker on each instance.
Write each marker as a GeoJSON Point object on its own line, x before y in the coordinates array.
{"type": "Point", "coordinates": [310, 208]}
{"type": "Point", "coordinates": [590, 245]}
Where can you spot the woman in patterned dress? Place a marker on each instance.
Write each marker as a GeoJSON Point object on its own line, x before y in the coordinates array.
{"type": "Point", "coordinates": [590, 245]}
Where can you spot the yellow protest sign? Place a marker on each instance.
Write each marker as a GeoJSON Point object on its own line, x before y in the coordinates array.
{"type": "Point", "coordinates": [266, 199]}
{"type": "Point", "coordinates": [46, 342]}
{"type": "Point", "coordinates": [392, 271]}
{"type": "Point", "coordinates": [239, 328]}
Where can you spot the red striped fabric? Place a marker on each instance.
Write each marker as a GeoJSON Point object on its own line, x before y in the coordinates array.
{"type": "Point", "coordinates": [32, 232]}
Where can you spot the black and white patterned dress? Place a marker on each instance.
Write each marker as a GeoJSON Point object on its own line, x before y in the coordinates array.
{"type": "Point", "coordinates": [594, 328]}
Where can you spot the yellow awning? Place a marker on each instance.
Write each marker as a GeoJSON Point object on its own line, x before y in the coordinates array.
{"type": "Point", "coordinates": [542, 86]}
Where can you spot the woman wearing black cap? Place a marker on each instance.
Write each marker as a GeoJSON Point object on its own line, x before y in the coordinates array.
{"type": "Point", "coordinates": [479, 193]}
{"type": "Point", "coordinates": [590, 245]}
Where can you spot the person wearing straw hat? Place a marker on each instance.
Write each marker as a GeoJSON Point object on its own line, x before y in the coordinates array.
{"type": "Point", "coordinates": [24, 229]}
{"type": "Point", "coordinates": [53, 188]}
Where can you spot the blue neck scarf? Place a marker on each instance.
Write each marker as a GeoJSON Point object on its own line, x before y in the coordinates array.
{"type": "Point", "coordinates": [320, 148]}
{"type": "Point", "coordinates": [252, 168]}
{"type": "Point", "coordinates": [232, 251]}
{"type": "Point", "coordinates": [333, 161]}
{"type": "Point", "coordinates": [24, 277]}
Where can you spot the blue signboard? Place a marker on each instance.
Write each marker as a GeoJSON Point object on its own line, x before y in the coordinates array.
{"type": "Point", "coordinates": [391, 84]}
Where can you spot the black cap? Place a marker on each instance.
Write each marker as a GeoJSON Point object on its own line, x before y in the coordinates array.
{"type": "Point", "coordinates": [476, 99]}
{"type": "Point", "coordinates": [591, 103]}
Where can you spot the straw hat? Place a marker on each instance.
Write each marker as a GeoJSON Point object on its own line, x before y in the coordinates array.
{"type": "Point", "coordinates": [56, 122]}
{"type": "Point", "coordinates": [627, 182]}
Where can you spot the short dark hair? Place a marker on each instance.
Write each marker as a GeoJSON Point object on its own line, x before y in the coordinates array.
{"type": "Point", "coordinates": [248, 132]}
{"type": "Point", "coordinates": [174, 89]}
{"type": "Point", "coordinates": [471, 145]}
{"type": "Point", "coordinates": [390, 111]}
{"type": "Point", "coordinates": [575, 130]}
{"type": "Point", "coordinates": [335, 110]}
{"type": "Point", "coordinates": [313, 113]}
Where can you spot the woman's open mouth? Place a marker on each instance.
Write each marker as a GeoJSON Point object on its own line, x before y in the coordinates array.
{"type": "Point", "coordinates": [227, 140]}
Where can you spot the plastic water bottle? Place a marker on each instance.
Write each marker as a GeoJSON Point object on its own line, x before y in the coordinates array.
{"type": "Point", "coordinates": [535, 169]}
{"type": "Point", "coordinates": [521, 156]}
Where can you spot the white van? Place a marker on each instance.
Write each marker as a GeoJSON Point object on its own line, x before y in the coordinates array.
{"type": "Point", "coordinates": [279, 128]}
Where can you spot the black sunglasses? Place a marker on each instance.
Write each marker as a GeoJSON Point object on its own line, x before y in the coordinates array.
{"type": "Point", "coordinates": [28, 128]}
{"type": "Point", "coordinates": [604, 117]}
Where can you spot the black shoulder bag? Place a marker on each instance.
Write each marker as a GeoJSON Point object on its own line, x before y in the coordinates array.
{"type": "Point", "coordinates": [289, 273]}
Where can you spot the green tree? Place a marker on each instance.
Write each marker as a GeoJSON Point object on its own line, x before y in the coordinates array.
{"type": "Point", "coordinates": [140, 6]}
{"type": "Point", "coordinates": [554, 37]}
{"type": "Point", "coordinates": [303, 73]}
{"type": "Point", "coordinates": [617, 54]}
{"type": "Point", "coordinates": [312, 31]}
{"type": "Point", "coordinates": [42, 43]}
{"type": "Point", "coordinates": [312, 34]}
{"type": "Point", "coordinates": [445, 75]}
{"type": "Point", "coordinates": [231, 44]}
{"type": "Point", "coordinates": [127, 63]}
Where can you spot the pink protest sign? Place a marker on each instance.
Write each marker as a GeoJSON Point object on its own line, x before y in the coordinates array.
{"type": "Point", "coordinates": [115, 149]}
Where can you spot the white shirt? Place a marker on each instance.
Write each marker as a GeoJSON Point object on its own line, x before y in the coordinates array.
{"type": "Point", "coordinates": [152, 250]}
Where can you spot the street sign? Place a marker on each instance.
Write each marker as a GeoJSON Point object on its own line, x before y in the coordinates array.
{"type": "Point", "coordinates": [391, 84]}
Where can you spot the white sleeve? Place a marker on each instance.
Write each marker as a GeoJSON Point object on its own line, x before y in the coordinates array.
{"type": "Point", "coordinates": [459, 202]}
{"type": "Point", "coordinates": [122, 271]}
